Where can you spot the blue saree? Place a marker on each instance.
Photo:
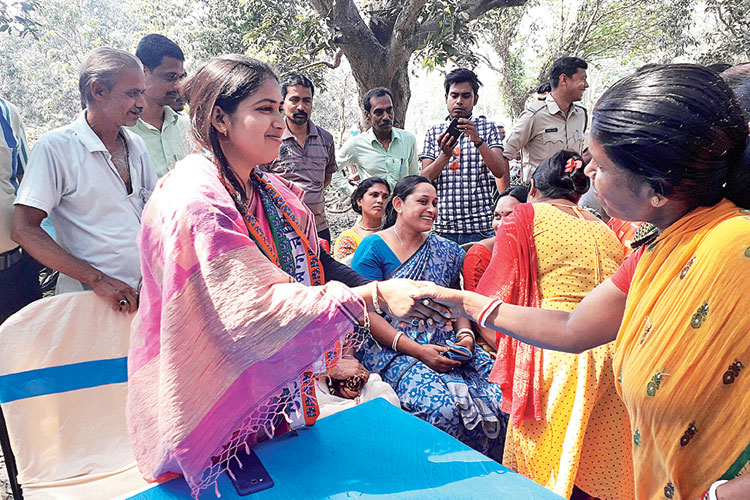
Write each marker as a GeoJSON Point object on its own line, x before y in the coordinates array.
{"type": "Point", "coordinates": [461, 402]}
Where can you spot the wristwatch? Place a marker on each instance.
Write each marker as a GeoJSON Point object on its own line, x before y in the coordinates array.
{"type": "Point", "coordinates": [479, 144]}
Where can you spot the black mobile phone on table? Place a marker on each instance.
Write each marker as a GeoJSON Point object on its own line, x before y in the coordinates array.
{"type": "Point", "coordinates": [452, 129]}
{"type": "Point", "coordinates": [252, 477]}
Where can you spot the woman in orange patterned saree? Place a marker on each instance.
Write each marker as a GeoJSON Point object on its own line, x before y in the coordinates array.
{"type": "Point", "coordinates": [669, 146]}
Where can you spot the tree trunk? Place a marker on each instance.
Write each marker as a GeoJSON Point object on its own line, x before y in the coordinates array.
{"type": "Point", "coordinates": [379, 51]}
{"type": "Point", "coordinates": [395, 77]}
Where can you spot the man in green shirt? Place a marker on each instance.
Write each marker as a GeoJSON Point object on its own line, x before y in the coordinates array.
{"type": "Point", "coordinates": [162, 128]}
{"type": "Point", "coordinates": [384, 150]}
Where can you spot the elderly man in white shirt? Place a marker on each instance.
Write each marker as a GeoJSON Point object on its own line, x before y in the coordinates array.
{"type": "Point", "coordinates": [92, 178]}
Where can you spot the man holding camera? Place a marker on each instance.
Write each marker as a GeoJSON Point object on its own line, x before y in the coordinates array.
{"type": "Point", "coordinates": [464, 157]}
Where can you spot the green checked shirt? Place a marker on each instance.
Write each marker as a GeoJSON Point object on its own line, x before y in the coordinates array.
{"type": "Point", "coordinates": [167, 146]}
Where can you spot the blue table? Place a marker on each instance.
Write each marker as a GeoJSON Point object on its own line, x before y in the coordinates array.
{"type": "Point", "coordinates": [373, 450]}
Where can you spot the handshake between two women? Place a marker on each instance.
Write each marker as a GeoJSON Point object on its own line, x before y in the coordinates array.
{"type": "Point", "coordinates": [420, 304]}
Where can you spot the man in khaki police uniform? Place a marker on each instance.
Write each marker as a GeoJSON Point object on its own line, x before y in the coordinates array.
{"type": "Point", "coordinates": [554, 124]}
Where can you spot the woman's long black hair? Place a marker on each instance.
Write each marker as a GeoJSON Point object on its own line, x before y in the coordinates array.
{"type": "Point", "coordinates": [554, 179]}
{"type": "Point", "coordinates": [680, 128]}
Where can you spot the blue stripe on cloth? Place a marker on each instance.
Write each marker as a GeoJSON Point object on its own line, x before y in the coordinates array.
{"type": "Point", "coordinates": [8, 135]}
{"type": "Point", "coordinates": [56, 379]}
{"type": "Point", "coordinates": [12, 142]}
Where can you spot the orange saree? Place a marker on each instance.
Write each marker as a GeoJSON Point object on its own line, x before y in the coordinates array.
{"type": "Point", "coordinates": [682, 353]}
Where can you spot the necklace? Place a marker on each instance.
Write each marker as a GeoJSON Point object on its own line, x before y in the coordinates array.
{"type": "Point", "coordinates": [399, 237]}
{"type": "Point", "coordinates": [377, 228]}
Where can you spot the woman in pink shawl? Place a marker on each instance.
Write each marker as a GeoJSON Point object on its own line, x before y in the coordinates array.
{"type": "Point", "coordinates": [235, 318]}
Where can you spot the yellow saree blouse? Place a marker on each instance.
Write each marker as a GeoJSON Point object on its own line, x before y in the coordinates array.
{"type": "Point", "coordinates": [345, 246]}
{"type": "Point", "coordinates": [682, 355]}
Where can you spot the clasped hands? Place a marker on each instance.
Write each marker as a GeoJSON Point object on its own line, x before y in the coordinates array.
{"type": "Point", "coordinates": [421, 304]}
{"type": "Point", "coordinates": [347, 378]}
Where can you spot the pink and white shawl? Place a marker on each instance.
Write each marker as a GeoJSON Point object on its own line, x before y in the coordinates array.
{"type": "Point", "coordinates": [222, 335]}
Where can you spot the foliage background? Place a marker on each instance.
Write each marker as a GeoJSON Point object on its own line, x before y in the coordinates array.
{"type": "Point", "coordinates": [43, 43]}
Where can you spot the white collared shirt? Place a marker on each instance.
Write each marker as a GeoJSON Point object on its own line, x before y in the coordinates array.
{"type": "Point", "coordinates": [70, 176]}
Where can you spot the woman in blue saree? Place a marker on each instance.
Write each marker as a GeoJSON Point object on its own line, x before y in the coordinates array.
{"type": "Point", "coordinates": [423, 362]}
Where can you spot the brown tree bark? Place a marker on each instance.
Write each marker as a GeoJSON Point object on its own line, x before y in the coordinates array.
{"type": "Point", "coordinates": [379, 51]}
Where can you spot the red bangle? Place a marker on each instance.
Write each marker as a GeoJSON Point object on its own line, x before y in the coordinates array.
{"type": "Point", "coordinates": [491, 306]}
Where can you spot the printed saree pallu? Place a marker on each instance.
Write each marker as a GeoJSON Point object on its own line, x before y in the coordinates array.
{"type": "Point", "coordinates": [459, 402]}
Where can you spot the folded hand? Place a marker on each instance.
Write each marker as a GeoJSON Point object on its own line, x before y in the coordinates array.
{"type": "Point", "coordinates": [348, 378]}
{"type": "Point", "coordinates": [432, 356]}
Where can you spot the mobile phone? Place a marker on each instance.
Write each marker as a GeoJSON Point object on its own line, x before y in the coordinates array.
{"type": "Point", "coordinates": [452, 129]}
{"type": "Point", "coordinates": [252, 477]}
{"type": "Point", "coordinates": [458, 353]}
{"type": "Point", "coordinates": [455, 352]}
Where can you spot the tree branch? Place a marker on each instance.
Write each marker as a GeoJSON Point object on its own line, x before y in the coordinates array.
{"type": "Point", "coordinates": [589, 24]}
{"type": "Point", "coordinates": [474, 8]}
{"type": "Point", "coordinates": [335, 64]}
{"type": "Point", "coordinates": [404, 39]}
{"type": "Point", "coordinates": [725, 23]}
{"type": "Point", "coordinates": [317, 49]}
{"type": "Point", "coordinates": [405, 25]}
{"type": "Point", "coordinates": [489, 63]}
{"type": "Point", "coordinates": [348, 27]}
{"type": "Point", "coordinates": [324, 7]}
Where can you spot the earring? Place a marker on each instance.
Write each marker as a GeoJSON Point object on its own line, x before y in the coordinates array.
{"type": "Point", "coordinates": [655, 201]}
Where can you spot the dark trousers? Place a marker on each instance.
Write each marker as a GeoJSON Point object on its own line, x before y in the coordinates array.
{"type": "Point", "coordinates": [19, 286]}
{"type": "Point", "coordinates": [463, 238]}
{"type": "Point", "coordinates": [325, 234]}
